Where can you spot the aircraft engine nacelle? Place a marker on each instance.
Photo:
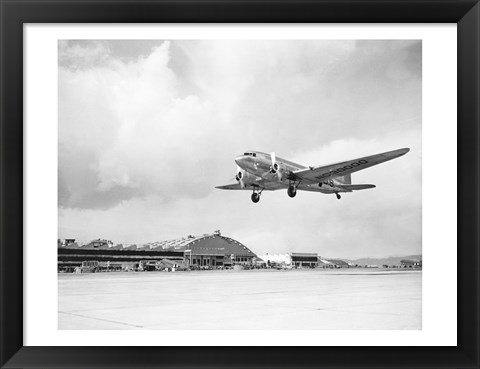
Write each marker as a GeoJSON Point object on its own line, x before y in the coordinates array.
{"type": "Point", "coordinates": [280, 170]}
{"type": "Point", "coordinates": [244, 178]}
{"type": "Point", "coordinates": [239, 175]}
{"type": "Point", "coordinates": [277, 168]}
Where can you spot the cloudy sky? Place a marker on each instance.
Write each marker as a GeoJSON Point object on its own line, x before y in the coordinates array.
{"type": "Point", "coordinates": [147, 129]}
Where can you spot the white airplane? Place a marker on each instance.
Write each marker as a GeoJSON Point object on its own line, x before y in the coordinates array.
{"type": "Point", "coordinates": [259, 171]}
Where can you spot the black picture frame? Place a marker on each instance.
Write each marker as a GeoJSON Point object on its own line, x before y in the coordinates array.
{"type": "Point", "coordinates": [15, 13]}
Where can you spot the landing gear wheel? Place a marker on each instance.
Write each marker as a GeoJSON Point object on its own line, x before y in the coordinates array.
{"type": "Point", "coordinates": [255, 197]}
{"type": "Point", "coordinates": [338, 196]}
{"type": "Point", "coordinates": [292, 191]}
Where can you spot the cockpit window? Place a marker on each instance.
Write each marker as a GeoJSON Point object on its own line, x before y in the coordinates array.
{"type": "Point", "coordinates": [250, 154]}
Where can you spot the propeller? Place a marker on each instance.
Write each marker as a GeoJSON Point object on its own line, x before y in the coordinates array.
{"type": "Point", "coordinates": [239, 177]}
{"type": "Point", "coordinates": [275, 167]}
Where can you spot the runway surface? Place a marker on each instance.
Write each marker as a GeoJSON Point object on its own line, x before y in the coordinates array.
{"type": "Point", "coordinates": [250, 299]}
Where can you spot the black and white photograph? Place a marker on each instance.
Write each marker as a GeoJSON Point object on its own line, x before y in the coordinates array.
{"type": "Point", "coordinates": [240, 184]}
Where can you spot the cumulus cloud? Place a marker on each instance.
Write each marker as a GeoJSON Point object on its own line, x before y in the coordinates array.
{"type": "Point", "coordinates": [124, 132]}
{"type": "Point", "coordinates": [77, 56]}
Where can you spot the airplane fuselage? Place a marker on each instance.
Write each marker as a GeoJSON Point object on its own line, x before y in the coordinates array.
{"type": "Point", "coordinates": [260, 164]}
{"type": "Point", "coordinates": [256, 162]}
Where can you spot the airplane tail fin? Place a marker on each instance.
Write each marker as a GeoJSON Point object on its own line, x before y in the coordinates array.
{"type": "Point", "coordinates": [347, 179]}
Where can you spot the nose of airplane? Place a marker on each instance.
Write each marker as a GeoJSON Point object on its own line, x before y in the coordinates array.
{"type": "Point", "coordinates": [239, 159]}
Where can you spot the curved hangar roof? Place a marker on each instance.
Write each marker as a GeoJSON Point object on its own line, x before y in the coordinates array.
{"type": "Point", "coordinates": [209, 244]}
{"type": "Point", "coordinates": [205, 245]}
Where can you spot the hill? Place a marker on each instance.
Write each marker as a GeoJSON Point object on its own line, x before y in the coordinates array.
{"type": "Point", "coordinates": [392, 260]}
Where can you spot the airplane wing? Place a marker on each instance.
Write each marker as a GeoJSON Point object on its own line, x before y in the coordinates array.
{"type": "Point", "coordinates": [266, 185]}
{"type": "Point", "coordinates": [323, 173]}
{"type": "Point", "coordinates": [356, 187]}
{"type": "Point", "coordinates": [234, 186]}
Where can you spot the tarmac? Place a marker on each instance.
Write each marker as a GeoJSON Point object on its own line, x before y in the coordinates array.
{"type": "Point", "coordinates": [373, 299]}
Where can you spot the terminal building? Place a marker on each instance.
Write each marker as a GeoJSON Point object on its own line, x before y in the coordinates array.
{"type": "Point", "coordinates": [304, 260]}
{"type": "Point", "coordinates": [111, 257]}
{"type": "Point", "coordinates": [207, 251]}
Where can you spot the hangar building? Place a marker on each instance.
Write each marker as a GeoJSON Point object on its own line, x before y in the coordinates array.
{"type": "Point", "coordinates": [210, 250]}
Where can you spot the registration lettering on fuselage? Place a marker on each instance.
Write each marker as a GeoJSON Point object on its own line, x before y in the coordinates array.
{"type": "Point", "coordinates": [343, 169]}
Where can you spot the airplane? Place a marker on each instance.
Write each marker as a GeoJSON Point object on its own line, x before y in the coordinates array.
{"type": "Point", "coordinates": [258, 171]}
